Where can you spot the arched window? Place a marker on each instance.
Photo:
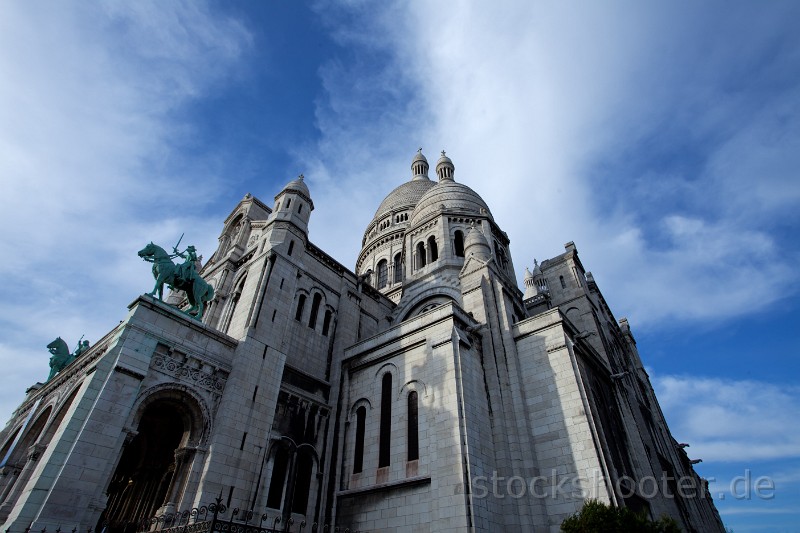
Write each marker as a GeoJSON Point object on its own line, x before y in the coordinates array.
{"type": "Point", "coordinates": [279, 464]}
{"type": "Point", "coordinates": [326, 322]}
{"type": "Point", "coordinates": [291, 247]}
{"type": "Point", "coordinates": [413, 427]}
{"type": "Point", "coordinates": [301, 302]}
{"type": "Point", "coordinates": [312, 320]}
{"type": "Point", "coordinates": [563, 283]}
{"type": "Point", "coordinates": [420, 254]}
{"type": "Point", "coordinates": [9, 442]}
{"type": "Point", "coordinates": [500, 252]}
{"type": "Point", "coordinates": [358, 460]}
{"type": "Point", "coordinates": [458, 243]}
{"type": "Point", "coordinates": [383, 273]}
{"type": "Point", "coordinates": [302, 483]}
{"type": "Point", "coordinates": [398, 268]}
{"type": "Point", "coordinates": [433, 249]}
{"type": "Point", "coordinates": [386, 421]}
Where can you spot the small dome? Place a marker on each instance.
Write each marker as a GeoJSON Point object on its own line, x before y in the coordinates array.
{"type": "Point", "coordinates": [299, 186]}
{"type": "Point", "coordinates": [419, 156]}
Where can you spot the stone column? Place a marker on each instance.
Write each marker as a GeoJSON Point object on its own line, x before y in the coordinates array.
{"type": "Point", "coordinates": [183, 461]}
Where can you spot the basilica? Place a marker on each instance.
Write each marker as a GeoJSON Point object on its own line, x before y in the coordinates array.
{"type": "Point", "coordinates": [421, 391]}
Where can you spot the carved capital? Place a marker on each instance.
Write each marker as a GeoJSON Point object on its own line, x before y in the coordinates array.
{"type": "Point", "coordinates": [182, 454]}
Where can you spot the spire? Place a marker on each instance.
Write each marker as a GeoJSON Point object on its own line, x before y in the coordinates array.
{"type": "Point", "coordinates": [445, 168]}
{"type": "Point", "coordinates": [419, 166]}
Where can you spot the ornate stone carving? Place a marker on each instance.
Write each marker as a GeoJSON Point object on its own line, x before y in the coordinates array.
{"type": "Point", "coordinates": [189, 371]}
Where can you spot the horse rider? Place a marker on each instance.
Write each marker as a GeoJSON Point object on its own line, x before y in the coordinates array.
{"type": "Point", "coordinates": [187, 270]}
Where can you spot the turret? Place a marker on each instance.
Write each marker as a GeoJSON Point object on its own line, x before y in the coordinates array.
{"type": "Point", "coordinates": [476, 245]}
{"type": "Point", "coordinates": [293, 204]}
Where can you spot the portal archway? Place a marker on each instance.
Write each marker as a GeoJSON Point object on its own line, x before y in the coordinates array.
{"type": "Point", "coordinates": [155, 462]}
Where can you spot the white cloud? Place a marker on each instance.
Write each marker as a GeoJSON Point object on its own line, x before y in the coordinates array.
{"type": "Point", "coordinates": [90, 102]}
{"type": "Point", "coordinates": [731, 420]}
{"type": "Point", "coordinates": [627, 128]}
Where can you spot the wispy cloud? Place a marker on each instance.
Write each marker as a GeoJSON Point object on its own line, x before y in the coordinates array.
{"type": "Point", "coordinates": [731, 420]}
{"type": "Point", "coordinates": [665, 151]}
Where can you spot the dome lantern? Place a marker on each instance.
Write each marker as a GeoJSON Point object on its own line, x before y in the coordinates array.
{"type": "Point", "coordinates": [445, 168]}
{"type": "Point", "coordinates": [419, 166]}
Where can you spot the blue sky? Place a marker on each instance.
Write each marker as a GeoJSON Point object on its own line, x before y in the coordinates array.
{"type": "Point", "coordinates": [662, 138]}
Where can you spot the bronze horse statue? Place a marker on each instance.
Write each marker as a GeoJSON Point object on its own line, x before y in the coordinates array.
{"type": "Point", "coordinates": [60, 358]}
{"type": "Point", "coordinates": [165, 271]}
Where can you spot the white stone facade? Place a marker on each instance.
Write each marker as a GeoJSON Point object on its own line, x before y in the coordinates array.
{"type": "Point", "coordinates": [421, 392]}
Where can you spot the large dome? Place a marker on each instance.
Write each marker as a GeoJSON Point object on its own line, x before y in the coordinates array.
{"type": "Point", "coordinates": [400, 203]}
{"type": "Point", "coordinates": [405, 196]}
{"type": "Point", "coordinates": [455, 197]}
{"type": "Point", "coordinates": [383, 238]}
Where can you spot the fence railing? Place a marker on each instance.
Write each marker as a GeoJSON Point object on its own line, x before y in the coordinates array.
{"type": "Point", "coordinates": [212, 519]}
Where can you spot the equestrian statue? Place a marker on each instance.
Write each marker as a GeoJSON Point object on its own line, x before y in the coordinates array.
{"type": "Point", "coordinates": [60, 354]}
{"type": "Point", "coordinates": [182, 277]}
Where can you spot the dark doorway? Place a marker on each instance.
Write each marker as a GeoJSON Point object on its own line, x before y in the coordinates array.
{"type": "Point", "coordinates": [146, 469]}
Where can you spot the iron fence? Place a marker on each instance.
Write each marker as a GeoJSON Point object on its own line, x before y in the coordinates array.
{"type": "Point", "coordinates": [211, 519]}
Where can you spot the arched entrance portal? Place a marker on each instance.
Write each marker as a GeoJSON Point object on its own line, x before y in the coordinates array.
{"type": "Point", "coordinates": [152, 467]}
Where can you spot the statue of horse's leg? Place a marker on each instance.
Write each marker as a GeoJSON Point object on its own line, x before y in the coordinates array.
{"type": "Point", "coordinates": [158, 289]}
{"type": "Point", "coordinates": [206, 295]}
{"type": "Point", "coordinates": [155, 288]}
{"type": "Point", "coordinates": [162, 278]}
